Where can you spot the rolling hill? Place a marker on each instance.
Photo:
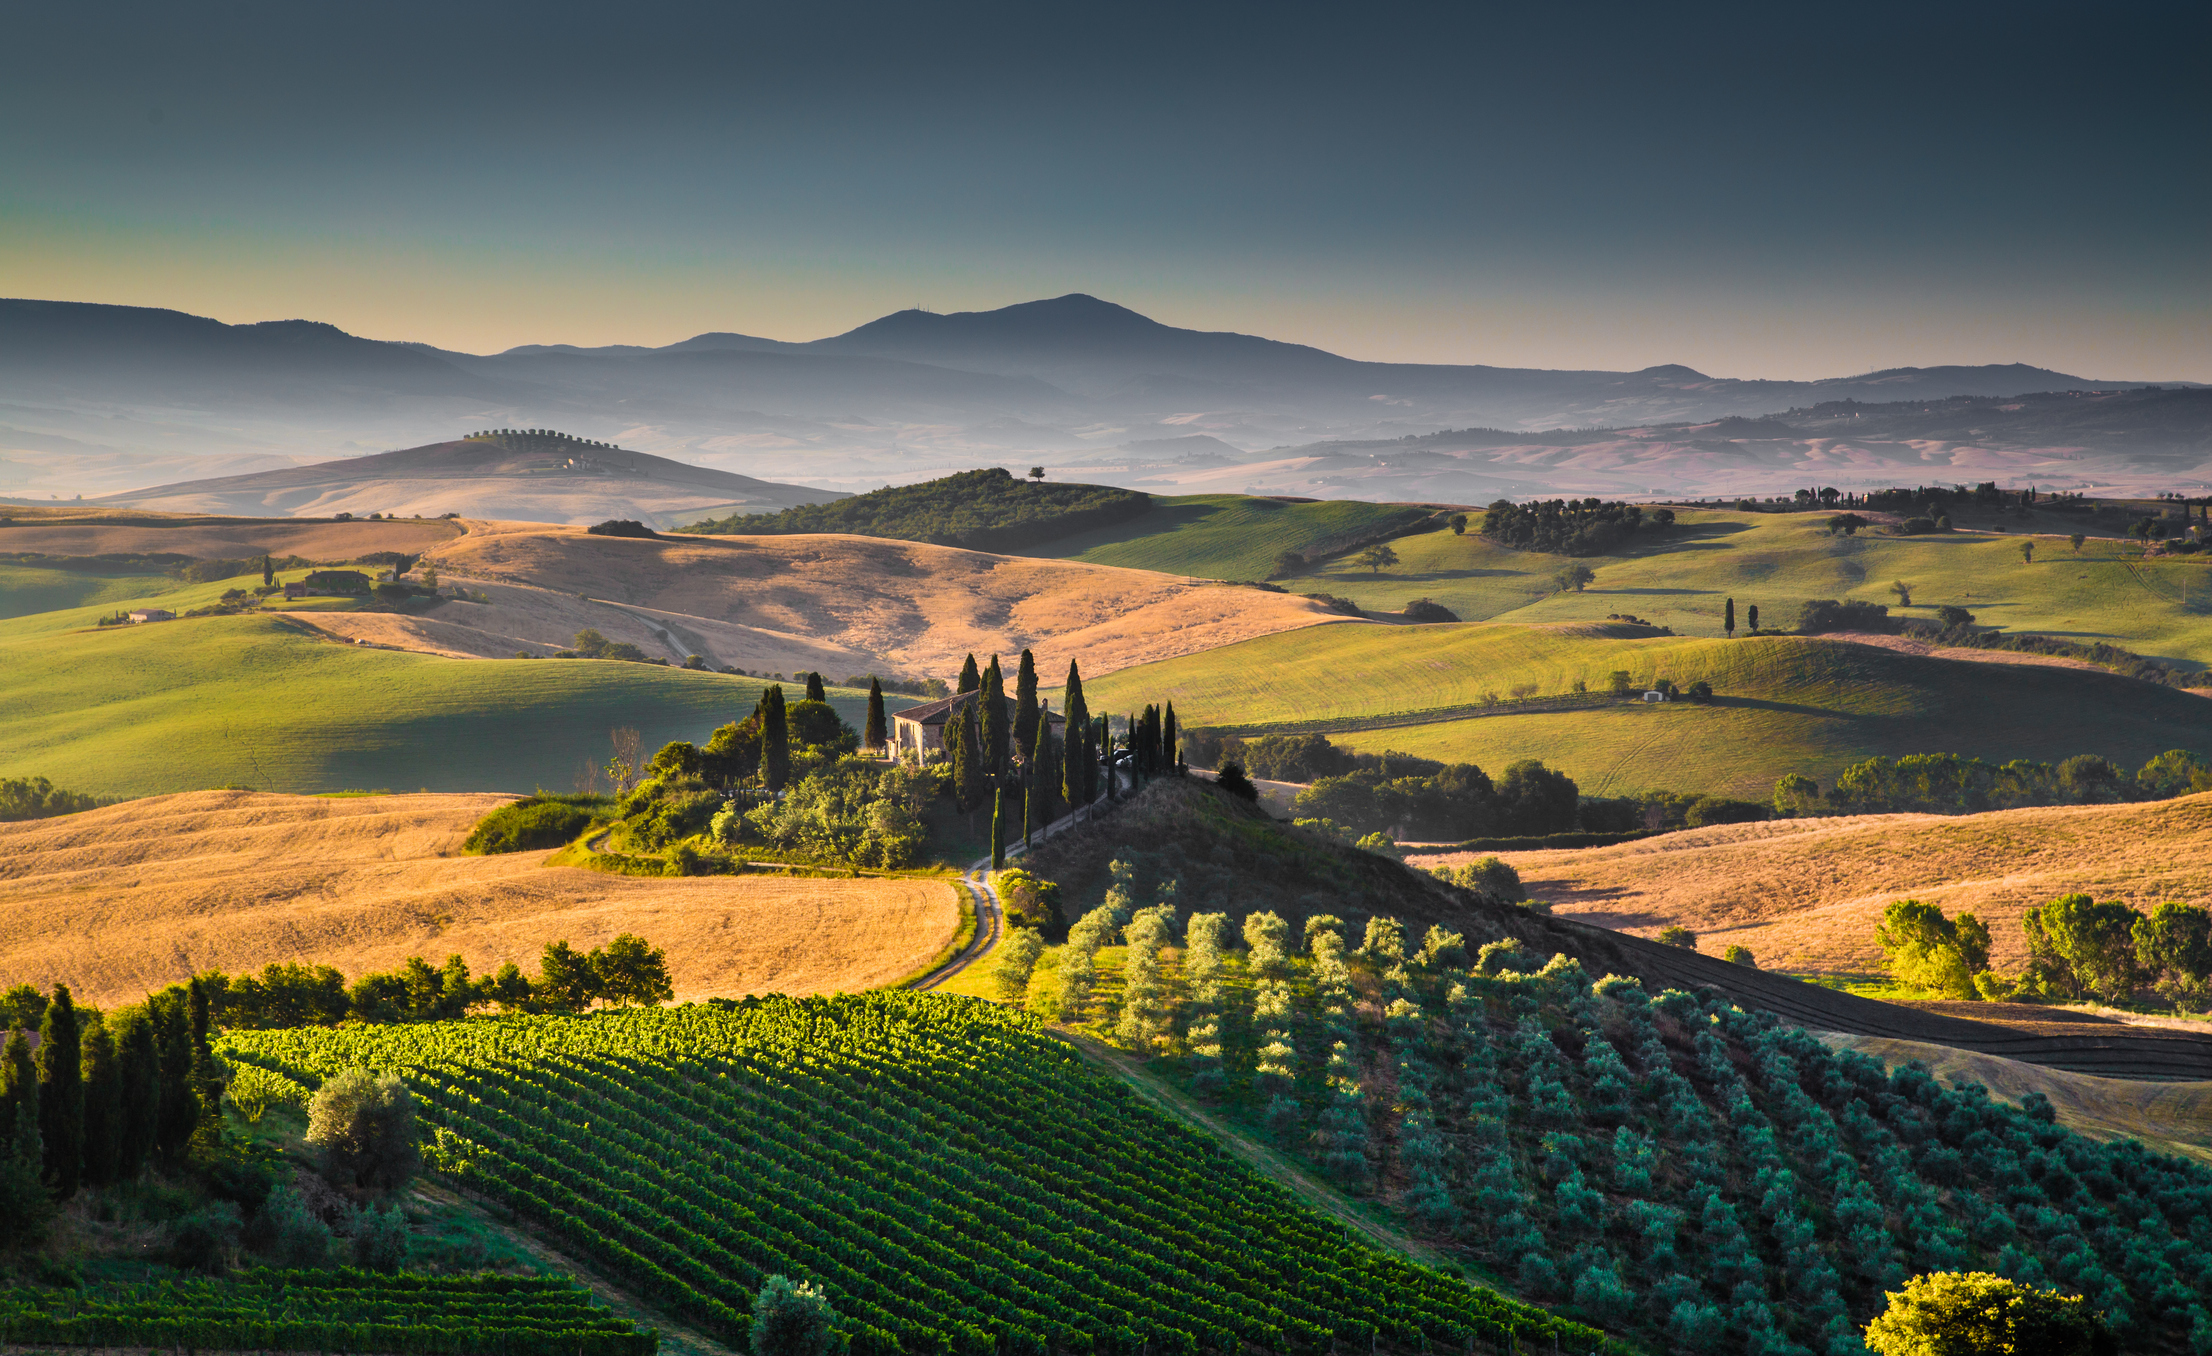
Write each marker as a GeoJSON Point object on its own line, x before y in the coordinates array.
{"type": "Point", "coordinates": [538, 478]}
{"type": "Point", "coordinates": [1783, 704]}
{"type": "Point", "coordinates": [1805, 895]}
{"type": "Point", "coordinates": [1231, 536]}
{"type": "Point", "coordinates": [121, 901]}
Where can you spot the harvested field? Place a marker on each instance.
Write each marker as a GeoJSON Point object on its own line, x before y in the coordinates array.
{"type": "Point", "coordinates": [117, 901]}
{"type": "Point", "coordinates": [93, 532]}
{"type": "Point", "coordinates": [2171, 1117]}
{"type": "Point", "coordinates": [1805, 895]}
{"type": "Point", "coordinates": [1967, 653]}
{"type": "Point", "coordinates": [839, 603]}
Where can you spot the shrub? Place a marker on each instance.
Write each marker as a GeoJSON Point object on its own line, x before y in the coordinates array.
{"type": "Point", "coordinates": [1740, 955]}
{"type": "Point", "coordinates": [1678, 935]}
{"type": "Point", "coordinates": [622, 527]}
{"type": "Point", "coordinates": [1720, 810]}
{"type": "Point", "coordinates": [205, 1239]}
{"type": "Point", "coordinates": [1826, 614]}
{"type": "Point", "coordinates": [364, 1127]}
{"type": "Point", "coordinates": [1231, 778]}
{"type": "Point", "coordinates": [792, 1320]}
{"type": "Point", "coordinates": [530, 825]}
{"type": "Point", "coordinates": [1975, 1312]}
{"type": "Point", "coordinates": [1425, 610]}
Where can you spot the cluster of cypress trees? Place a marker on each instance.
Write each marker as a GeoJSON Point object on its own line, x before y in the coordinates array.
{"type": "Point", "coordinates": [103, 1096]}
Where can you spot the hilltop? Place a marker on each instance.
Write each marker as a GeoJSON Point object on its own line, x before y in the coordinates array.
{"type": "Point", "coordinates": [121, 901]}
{"type": "Point", "coordinates": [536, 475]}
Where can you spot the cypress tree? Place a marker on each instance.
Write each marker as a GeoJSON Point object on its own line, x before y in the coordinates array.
{"type": "Point", "coordinates": [1751, 616]}
{"type": "Point", "coordinates": [179, 1113]}
{"type": "Point", "coordinates": [103, 1105]}
{"type": "Point", "coordinates": [1074, 783]}
{"type": "Point", "coordinates": [19, 1101]}
{"type": "Point", "coordinates": [1044, 780]}
{"type": "Point", "coordinates": [1102, 756]}
{"type": "Point", "coordinates": [1169, 761]}
{"type": "Point", "coordinates": [815, 692]}
{"type": "Point", "coordinates": [268, 572]}
{"type": "Point", "coordinates": [61, 1094]}
{"type": "Point", "coordinates": [1025, 704]}
{"type": "Point", "coordinates": [992, 722]}
{"type": "Point", "coordinates": [1728, 618]}
{"type": "Point", "coordinates": [138, 1070]}
{"type": "Point", "coordinates": [878, 733]}
{"type": "Point", "coordinates": [775, 741]}
{"type": "Point", "coordinates": [970, 680]}
{"type": "Point", "coordinates": [206, 1074]}
{"type": "Point", "coordinates": [998, 830]}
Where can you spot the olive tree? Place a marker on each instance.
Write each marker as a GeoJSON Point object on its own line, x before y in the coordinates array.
{"type": "Point", "coordinates": [364, 1128]}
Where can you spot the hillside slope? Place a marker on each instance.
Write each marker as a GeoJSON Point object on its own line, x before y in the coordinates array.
{"type": "Point", "coordinates": [536, 478]}
{"type": "Point", "coordinates": [1783, 704]}
{"type": "Point", "coordinates": [120, 901]}
{"type": "Point", "coordinates": [1806, 894]}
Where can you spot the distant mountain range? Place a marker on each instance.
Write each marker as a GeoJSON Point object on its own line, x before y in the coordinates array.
{"type": "Point", "coordinates": [123, 395]}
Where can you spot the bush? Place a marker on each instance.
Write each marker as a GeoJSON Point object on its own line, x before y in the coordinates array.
{"type": "Point", "coordinates": [1424, 610]}
{"type": "Point", "coordinates": [1720, 810]}
{"type": "Point", "coordinates": [1678, 936]}
{"type": "Point", "coordinates": [1826, 614]}
{"type": "Point", "coordinates": [1701, 692]}
{"type": "Point", "coordinates": [380, 1241]}
{"type": "Point", "coordinates": [532, 825]}
{"type": "Point", "coordinates": [792, 1320]}
{"type": "Point", "coordinates": [1976, 1312]}
{"type": "Point", "coordinates": [1491, 878]}
{"type": "Point", "coordinates": [1740, 955]}
{"type": "Point", "coordinates": [1231, 779]}
{"type": "Point", "coordinates": [205, 1239]}
{"type": "Point", "coordinates": [364, 1127]}
{"type": "Point", "coordinates": [623, 527]}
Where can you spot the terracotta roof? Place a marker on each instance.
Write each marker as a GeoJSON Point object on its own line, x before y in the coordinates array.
{"type": "Point", "coordinates": [939, 711]}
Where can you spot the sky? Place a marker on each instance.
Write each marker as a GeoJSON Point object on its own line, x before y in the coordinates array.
{"type": "Point", "coordinates": [1753, 191]}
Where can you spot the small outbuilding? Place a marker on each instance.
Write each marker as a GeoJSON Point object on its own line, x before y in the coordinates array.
{"type": "Point", "coordinates": [1655, 696]}
{"type": "Point", "coordinates": [919, 731]}
{"type": "Point", "coordinates": [152, 614]}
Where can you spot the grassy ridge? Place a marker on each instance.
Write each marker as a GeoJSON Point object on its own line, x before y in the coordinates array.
{"type": "Point", "coordinates": [1681, 578]}
{"type": "Point", "coordinates": [1226, 536]}
{"type": "Point", "coordinates": [29, 589]}
{"type": "Point", "coordinates": [1786, 705]}
{"type": "Point", "coordinates": [260, 701]}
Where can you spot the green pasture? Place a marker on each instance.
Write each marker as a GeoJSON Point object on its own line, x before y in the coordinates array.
{"type": "Point", "coordinates": [261, 701]}
{"type": "Point", "coordinates": [26, 590]}
{"type": "Point", "coordinates": [1683, 577]}
{"type": "Point", "coordinates": [1223, 536]}
{"type": "Point", "coordinates": [1783, 704]}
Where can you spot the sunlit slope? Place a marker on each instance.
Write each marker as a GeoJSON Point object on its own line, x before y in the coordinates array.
{"type": "Point", "coordinates": [1784, 704]}
{"type": "Point", "coordinates": [1228, 536]}
{"type": "Point", "coordinates": [262, 702]}
{"type": "Point", "coordinates": [26, 590]}
{"type": "Point", "coordinates": [1682, 578]}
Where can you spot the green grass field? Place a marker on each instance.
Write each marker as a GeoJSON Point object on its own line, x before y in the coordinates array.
{"type": "Point", "coordinates": [1226, 536]}
{"type": "Point", "coordinates": [1784, 705]}
{"type": "Point", "coordinates": [261, 702]}
{"type": "Point", "coordinates": [29, 589]}
{"type": "Point", "coordinates": [1683, 578]}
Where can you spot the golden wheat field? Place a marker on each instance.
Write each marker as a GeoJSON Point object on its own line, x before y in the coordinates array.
{"type": "Point", "coordinates": [121, 900]}
{"type": "Point", "coordinates": [1805, 895]}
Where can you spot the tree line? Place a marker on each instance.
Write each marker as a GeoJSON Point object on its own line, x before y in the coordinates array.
{"type": "Point", "coordinates": [1948, 784]}
{"type": "Point", "coordinates": [1567, 527]}
{"type": "Point", "coordinates": [983, 510]}
{"type": "Point", "coordinates": [2078, 948]}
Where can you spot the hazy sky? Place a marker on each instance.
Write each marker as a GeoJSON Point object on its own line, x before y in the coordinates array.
{"type": "Point", "coordinates": [1771, 190]}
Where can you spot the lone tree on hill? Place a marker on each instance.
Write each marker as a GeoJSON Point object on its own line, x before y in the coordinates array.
{"type": "Point", "coordinates": [2077, 539]}
{"type": "Point", "coordinates": [1751, 616]}
{"type": "Point", "coordinates": [877, 734]}
{"type": "Point", "coordinates": [970, 680]}
{"type": "Point", "coordinates": [815, 692]}
{"type": "Point", "coordinates": [1577, 577]}
{"type": "Point", "coordinates": [1378, 557]}
{"type": "Point", "coordinates": [1036, 473]}
{"type": "Point", "coordinates": [1287, 563]}
{"type": "Point", "coordinates": [365, 1128]}
{"type": "Point", "coordinates": [2027, 553]}
{"type": "Point", "coordinates": [1728, 619]}
{"type": "Point", "coordinates": [792, 1320]}
{"type": "Point", "coordinates": [1903, 591]}
{"type": "Point", "coordinates": [1459, 524]}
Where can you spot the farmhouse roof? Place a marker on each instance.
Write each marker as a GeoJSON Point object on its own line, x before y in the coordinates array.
{"type": "Point", "coordinates": [941, 710]}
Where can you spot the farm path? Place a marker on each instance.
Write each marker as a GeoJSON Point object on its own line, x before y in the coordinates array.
{"type": "Point", "coordinates": [1261, 1158]}
{"type": "Point", "coordinates": [989, 924]}
{"type": "Point", "coordinates": [676, 1339]}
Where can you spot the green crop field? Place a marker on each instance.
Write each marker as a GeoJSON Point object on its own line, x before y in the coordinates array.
{"type": "Point", "coordinates": [1784, 704]}
{"type": "Point", "coordinates": [261, 701]}
{"type": "Point", "coordinates": [29, 589]}
{"type": "Point", "coordinates": [1682, 579]}
{"type": "Point", "coordinates": [954, 1178]}
{"type": "Point", "coordinates": [1228, 536]}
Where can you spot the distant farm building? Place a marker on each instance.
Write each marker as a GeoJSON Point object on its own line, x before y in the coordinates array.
{"type": "Point", "coordinates": [1655, 696]}
{"type": "Point", "coordinates": [329, 584]}
{"type": "Point", "coordinates": [152, 614]}
{"type": "Point", "coordinates": [920, 730]}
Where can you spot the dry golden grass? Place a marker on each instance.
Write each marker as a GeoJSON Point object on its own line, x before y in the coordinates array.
{"type": "Point", "coordinates": [2173, 1117]}
{"type": "Point", "coordinates": [835, 603]}
{"type": "Point", "coordinates": [93, 532]}
{"type": "Point", "coordinates": [118, 901]}
{"type": "Point", "coordinates": [1805, 895]}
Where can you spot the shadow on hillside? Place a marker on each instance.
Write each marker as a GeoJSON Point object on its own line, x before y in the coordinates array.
{"type": "Point", "coordinates": [1787, 708]}
{"type": "Point", "coordinates": [1654, 592]}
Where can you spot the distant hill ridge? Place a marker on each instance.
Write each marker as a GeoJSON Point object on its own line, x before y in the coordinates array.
{"type": "Point", "coordinates": [984, 510]}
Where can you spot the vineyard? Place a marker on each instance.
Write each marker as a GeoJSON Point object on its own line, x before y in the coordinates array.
{"type": "Point", "coordinates": [1676, 1169]}
{"type": "Point", "coordinates": [333, 1311]}
{"type": "Point", "coordinates": [954, 1179]}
